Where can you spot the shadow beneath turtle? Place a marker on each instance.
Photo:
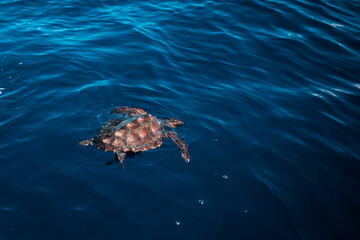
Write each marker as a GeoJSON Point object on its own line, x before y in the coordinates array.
{"type": "Point", "coordinates": [128, 155]}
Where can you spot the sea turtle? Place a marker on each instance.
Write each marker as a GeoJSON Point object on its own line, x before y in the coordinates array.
{"type": "Point", "coordinates": [138, 131]}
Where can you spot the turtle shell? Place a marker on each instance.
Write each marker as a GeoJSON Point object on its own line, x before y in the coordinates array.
{"type": "Point", "coordinates": [138, 133]}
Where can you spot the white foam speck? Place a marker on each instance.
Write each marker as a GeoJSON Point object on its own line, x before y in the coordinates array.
{"type": "Point", "coordinates": [357, 85]}
{"type": "Point", "coordinates": [225, 177]}
{"type": "Point", "coordinates": [201, 202]}
{"type": "Point", "coordinates": [177, 223]}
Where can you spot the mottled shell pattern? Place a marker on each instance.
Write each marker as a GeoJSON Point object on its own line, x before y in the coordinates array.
{"type": "Point", "coordinates": [138, 133]}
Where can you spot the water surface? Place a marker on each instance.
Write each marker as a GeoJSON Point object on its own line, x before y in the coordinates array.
{"type": "Point", "coordinates": [269, 92]}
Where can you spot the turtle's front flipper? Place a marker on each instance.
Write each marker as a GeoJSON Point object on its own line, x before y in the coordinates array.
{"type": "Point", "coordinates": [87, 142]}
{"type": "Point", "coordinates": [181, 144]}
{"type": "Point", "coordinates": [121, 156]}
{"type": "Point", "coordinates": [173, 122]}
{"type": "Point", "coordinates": [128, 111]}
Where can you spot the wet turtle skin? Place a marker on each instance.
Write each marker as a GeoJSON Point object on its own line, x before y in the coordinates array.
{"type": "Point", "coordinates": [139, 131]}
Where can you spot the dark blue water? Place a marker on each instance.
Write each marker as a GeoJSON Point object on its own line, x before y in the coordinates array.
{"type": "Point", "coordinates": [269, 92]}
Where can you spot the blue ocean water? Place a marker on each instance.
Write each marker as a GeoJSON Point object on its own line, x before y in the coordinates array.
{"type": "Point", "coordinates": [269, 92]}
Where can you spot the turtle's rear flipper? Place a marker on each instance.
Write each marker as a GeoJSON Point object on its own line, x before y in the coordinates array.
{"type": "Point", "coordinates": [128, 111]}
{"type": "Point", "coordinates": [121, 156]}
{"type": "Point", "coordinates": [86, 142]}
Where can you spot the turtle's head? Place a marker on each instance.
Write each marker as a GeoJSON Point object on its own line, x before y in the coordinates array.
{"type": "Point", "coordinates": [173, 122]}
